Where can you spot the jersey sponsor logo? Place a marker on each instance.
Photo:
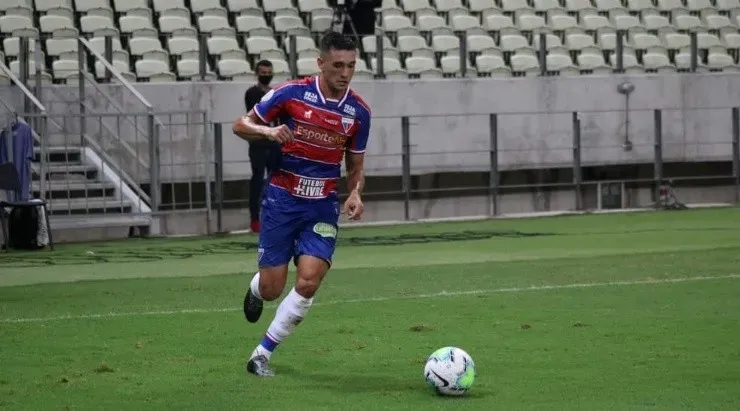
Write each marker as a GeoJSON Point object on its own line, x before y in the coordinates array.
{"type": "Point", "coordinates": [319, 136]}
{"type": "Point", "coordinates": [331, 121]}
{"type": "Point", "coordinates": [349, 110]}
{"type": "Point", "coordinates": [268, 95]}
{"type": "Point", "coordinates": [307, 114]}
{"type": "Point", "coordinates": [309, 187]}
{"type": "Point", "coordinates": [311, 97]}
{"type": "Point", "coordinates": [347, 123]}
{"type": "Point", "coordinates": [325, 230]}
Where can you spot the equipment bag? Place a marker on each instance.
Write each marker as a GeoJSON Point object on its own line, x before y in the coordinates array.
{"type": "Point", "coordinates": [23, 226]}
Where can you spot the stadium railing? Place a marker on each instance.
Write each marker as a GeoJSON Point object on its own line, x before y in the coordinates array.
{"type": "Point", "coordinates": [588, 193]}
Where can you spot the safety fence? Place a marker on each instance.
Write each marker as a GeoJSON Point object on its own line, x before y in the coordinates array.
{"type": "Point", "coordinates": [648, 161]}
{"type": "Point", "coordinates": [127, 164]}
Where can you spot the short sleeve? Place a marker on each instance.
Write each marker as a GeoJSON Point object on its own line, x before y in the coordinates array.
{"type": "Point", "coordinates": [272, 104]}
{"type": "Point", "coordinates": [359, 141]}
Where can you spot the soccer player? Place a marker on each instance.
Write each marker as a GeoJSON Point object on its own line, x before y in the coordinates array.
{"type": "Point", "coordinates": [322, 119]}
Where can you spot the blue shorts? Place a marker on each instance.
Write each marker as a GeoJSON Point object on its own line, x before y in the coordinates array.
{"type": "Point", "coordinates": [292, 226]}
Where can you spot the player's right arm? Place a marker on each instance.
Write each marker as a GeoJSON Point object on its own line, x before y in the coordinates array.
{"type": "Point", "coordinates": [254, 126]}
{"type": "Point", "coordinates": [250, 128]}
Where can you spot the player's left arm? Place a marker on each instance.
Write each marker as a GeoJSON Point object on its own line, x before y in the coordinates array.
{"type": "Point", "coordinates": [355, 165]}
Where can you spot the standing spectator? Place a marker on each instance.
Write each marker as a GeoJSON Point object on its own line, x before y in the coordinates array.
{"type": "Point", "coordinates": [263, 154]}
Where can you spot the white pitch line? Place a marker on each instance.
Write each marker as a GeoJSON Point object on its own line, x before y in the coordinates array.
{"type": "Point", "coordinates": [377, 299]}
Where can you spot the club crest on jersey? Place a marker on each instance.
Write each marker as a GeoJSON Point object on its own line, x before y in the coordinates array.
{"type": "Point", "coordinates": [347, 123]}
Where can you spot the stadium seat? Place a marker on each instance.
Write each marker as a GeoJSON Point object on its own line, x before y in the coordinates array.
{"type": "Point", "coordinates": [500, 23]}
{"type": "Point", "coordinates": [43, 6]}
{"type": "Point", "coordinates": [451, 66]}
{"type": "Point", "coordinates": [565, 24]}
{"type": "Point", "coordinates": [51, 23]}
{"type": "Point", "coordinates": [657, 61]}
{"type": "Point", "coordinates": [415, 45]}
{"type": "Point", "coordinates": [131, 23]}
{"type": "Point", "coordinates": [12, 46]}
{"type": "Point", "coordinates": [490, 65]}
{"type": "Point", "coordinates": [525, 64]}
{"type": "Point", "coordinates": [480, 6]}
{"type": "Point", "coordinates": [592, 62]}
{"type": "Point", "coordinates": [562, 64]}
{"type": "Point", "coordinates": [123, 6]}
{"type": "Point", "coordinates": [444, 43]}
{"type": "Point", "coordinates": [482, 44]}
{"type": "Point", "coordinates": [552, 42]}
{"type": "Point", "coordinates": [657, 23]}
{"type": "Point", "coordinates": [258, 45]}
{"type": "Point", "coordinates": [422, 37]}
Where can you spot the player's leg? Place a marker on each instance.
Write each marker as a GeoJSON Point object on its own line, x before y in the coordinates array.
{"type": "Point", "coordinates": [314, 251]}
{"type": "Point", "coordinates": [280, 224]}
{"type": "Point", "coordinates": [258, 161]}
{"type": "Point", "coordinates": [291, 311]}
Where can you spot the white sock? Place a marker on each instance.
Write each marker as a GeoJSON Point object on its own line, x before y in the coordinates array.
{"type": "Point", "coordinates": [290, 313]}
{"type": "Point", "coordinates": [255, 285]}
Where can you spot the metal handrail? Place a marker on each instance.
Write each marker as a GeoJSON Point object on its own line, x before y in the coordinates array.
{"type": "Point", "coordinates": [119, 170]}
{"type": "Point", "coordinates": [120, 78]}
{"type": "Point", "coordinates": [115, 73]}
{"type": "Point", "coordinates": [105, 157]}
{"type": "Point", "coordinates": [127, 118]}
{"type": "Point", "coordinates": [23, 88]}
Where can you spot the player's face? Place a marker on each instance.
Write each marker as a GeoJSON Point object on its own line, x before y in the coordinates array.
{"type": "Point", "coordinates": [337, 67]}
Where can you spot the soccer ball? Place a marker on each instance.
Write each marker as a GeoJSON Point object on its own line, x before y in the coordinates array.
{"type": "Point", "coordinates": [450, 371]}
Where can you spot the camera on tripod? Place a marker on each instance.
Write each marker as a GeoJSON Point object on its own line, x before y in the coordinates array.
{"type": "Point", "coordinates": [341, 18]}
{"type": "Point", "coordinates": [353, 17]}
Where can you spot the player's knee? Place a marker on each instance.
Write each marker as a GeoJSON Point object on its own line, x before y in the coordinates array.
{"type": "Point", "coordinates": [307, 286]}
{"type": "Point", "coordinates": [271, 291]}
{"type": "Point", "coordinates": [272, 282]}
{"type": "Point", "coordinates": [310, 273]}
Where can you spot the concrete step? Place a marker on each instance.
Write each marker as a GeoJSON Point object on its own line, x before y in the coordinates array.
{"type": "Point", "coordinates": [59, 154]}
{"type": "Point", "coordinates": [94, 205]}
{"type": "Point", "coordinates": [74, 189]}
{"type": "Point", "coordinates": [68, 171]}
{"type": "Point", "coordinates": [98, 227]}
{"type": "Point", "coordinates": [66, 222]}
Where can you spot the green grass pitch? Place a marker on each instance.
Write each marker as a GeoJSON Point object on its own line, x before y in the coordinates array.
{"type": "Point", "coordinates": [634, 311]}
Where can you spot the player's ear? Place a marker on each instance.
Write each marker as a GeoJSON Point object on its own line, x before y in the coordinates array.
{"type": "Point", "coordinates": [320, 62]}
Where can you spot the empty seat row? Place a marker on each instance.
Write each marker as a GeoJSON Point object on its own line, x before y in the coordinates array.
{"type": "Point", "coordinates": [157, 40]}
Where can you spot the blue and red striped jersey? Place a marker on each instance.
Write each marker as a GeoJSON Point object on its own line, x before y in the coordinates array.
{"type": "Point", "coordinates": [323, 130]}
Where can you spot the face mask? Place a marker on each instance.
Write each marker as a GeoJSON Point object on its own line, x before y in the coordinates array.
{"type": "Point", "coordinates": [264, 80]}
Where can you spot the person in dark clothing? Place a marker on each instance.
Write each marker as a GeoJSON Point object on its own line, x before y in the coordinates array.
{"type": "Point", "coordinates": [363, 16]}
{"type": "Point", "coordinates": [361, 13]}
{"type": "Point", "coordinates": [263, 154]}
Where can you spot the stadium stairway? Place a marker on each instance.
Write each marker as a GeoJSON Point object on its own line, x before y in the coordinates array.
{"type": "Point", "coordinates": [87, 199]}
{"type": "Point", "coordinates": [85, 196]}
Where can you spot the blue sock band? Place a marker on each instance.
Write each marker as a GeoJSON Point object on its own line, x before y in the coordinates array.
{"type": "Point", "coordinates": [268, 343]}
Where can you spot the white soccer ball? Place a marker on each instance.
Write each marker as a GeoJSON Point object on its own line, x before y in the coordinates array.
{"type": "Point", "coordinates": [450, 371]}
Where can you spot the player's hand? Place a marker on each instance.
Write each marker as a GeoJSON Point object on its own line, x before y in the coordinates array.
{"type": "Point", "coordinates": [280, 134]}
{"type": "Point", "coordinates": [353, 207]}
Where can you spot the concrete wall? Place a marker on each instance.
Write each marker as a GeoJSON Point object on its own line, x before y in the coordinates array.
{"type": "Point", "coordinates": [183, 223]}
{"type": "Point", "coordinates": [450, 127]}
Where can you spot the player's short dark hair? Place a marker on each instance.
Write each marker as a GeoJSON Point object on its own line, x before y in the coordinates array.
{"type": "Point", "coordinates": [337, 41]}
{"type": "Point", "coordinates": [262, 63]}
